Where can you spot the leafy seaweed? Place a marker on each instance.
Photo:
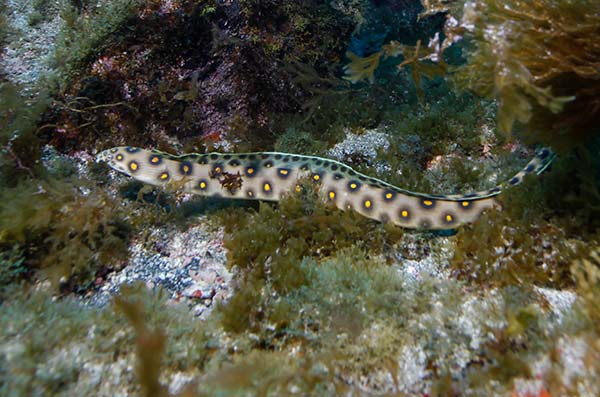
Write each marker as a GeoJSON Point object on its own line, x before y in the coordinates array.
{"type": "Point", "coordinates": [418, 57]}
{"type": "Point", "coordinates": [67, 230]}
{"type": "Point", "coordinates": [540, 60]}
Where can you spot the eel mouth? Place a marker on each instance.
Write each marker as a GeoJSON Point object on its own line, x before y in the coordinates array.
{"type": "Point", "coordinates": [115, 159]}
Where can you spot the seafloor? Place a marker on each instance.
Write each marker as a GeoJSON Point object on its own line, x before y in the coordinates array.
{"type": "Point", "coordinates": [112, 288]}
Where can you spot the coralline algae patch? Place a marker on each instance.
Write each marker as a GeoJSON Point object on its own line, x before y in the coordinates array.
{"type": "Point", "coordinates": [364, 146]}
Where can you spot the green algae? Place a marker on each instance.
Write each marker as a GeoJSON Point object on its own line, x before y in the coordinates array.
{"type": "Point", "coordinates": [419, 136]}
{"type": "Point", "coordinates": [586, 275]}
{"type": "Point", "coordinates": [355, 315]}
{"type": "Point", "coordinates": [19, 121]}
{"type": "Point", "coordinates": [90, 30]}
{"type": "Point", "coordinates": [347, 300]}
{"type": "Point", "coordinates": [52, 363]}
{"type": "Point", "coordinates": [4, 25]}
{"type": "Point", "coordinates": [505, 253]}
{"type": "Point", "coordinates": [12, 267]}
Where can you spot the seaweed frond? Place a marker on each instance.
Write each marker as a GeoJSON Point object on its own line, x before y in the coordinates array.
{"type": "Point", "coordinates": [420, 63]}
{"type": "Point", "coordinates": [150, 348]}
{"type": "Point", "coordinates": [586, 274]}
{"type": "Point", "coordinates": [361, 68]}
{"type": "Point", "coordinates": [423, 61]}
{"type": "Point", "coordinates": [540, 59]}
{"type": "Point", "coordinates": [67, 229]}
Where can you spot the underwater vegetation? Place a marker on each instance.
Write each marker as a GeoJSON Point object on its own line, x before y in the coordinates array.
{"type": "Point", "coordinates": [418, 137]}
{"type": "Point", "coordinates": [538, 253]}
{"type": "Point", "coordinates": [85, 348]}
{"type": "Point", "coordinates": [200, 94]}
{"type": "Point", "coordinates": [63, 229]}
{"type": "Point", "coordinates": [21, 147]}
{"type": "Point", "coordinates": [586, 274]}
{"type": "Point", "coordinates": [108, 93]}
{"type": "Point", "coordinates": [538, 59]}
{"type": "Point", "coordinates": [416, 57]}
{"type": "Point", "coordinates": [4, 28]}
{"type": "Point", "coordinates": [354, 315]}
{"type": "Point", "coordinates": [269, 246]}
{"type": "Point", "coordinates": [88, 30]}
{"type": "Point", "coordinates": [543, 226]}
{"type": "Point", "coordinates": [324, 302]}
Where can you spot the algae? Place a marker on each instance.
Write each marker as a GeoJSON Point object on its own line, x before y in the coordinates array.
{"type": "Point", "coordinates": [88, 30]}
{"type": "Point", "coordinates": [270, 252]}
{"type": "Point", "coordinates": [539, 59]}
{"type": "Point", "coordinates": [532, 241]}
{"type": "Point", "coordinates": [66, 235]}
{"type": "Point", "coordinates": [20, 145]}
{"type": "Point", "coordinates": [325, 303]}
{"type": "Point", "coordinates": [528, 56]}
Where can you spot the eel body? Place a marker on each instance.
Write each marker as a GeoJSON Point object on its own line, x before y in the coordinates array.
{"type": "Point", "coordinates": [271, 175]}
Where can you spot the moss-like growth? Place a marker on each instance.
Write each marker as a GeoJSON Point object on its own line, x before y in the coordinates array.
{"type": "Point", "coordinates": [84, 339]}
{"type": "Point", "coordinates": [354, 315]}
{"type": "Point", "coordinates": [12, 267]}
{"type": "Point", "coordinates": [586, 274]}
{"type": "Point", "coordinates": [500, 250]}
{"type": "Point", "coordinates": [39, 328]}
{"type": "Point", "coordinates": [4, 26]}
{"type": "Point", "coordinates": [298, 141]}
{"type": "Point", "coordinates": [433, 152]}
{"type": "Point", "coordinates": [67, 230]}
{"type": "Point", "coordinates": [297, 30]}
{"type": "Point", "coordinates": [507, 354]}
{"type": "Point", "coordinates": [41, 11]}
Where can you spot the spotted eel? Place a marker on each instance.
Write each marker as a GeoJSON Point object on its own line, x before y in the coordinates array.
{"type": "Point", "coordinates": [271, 175]}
